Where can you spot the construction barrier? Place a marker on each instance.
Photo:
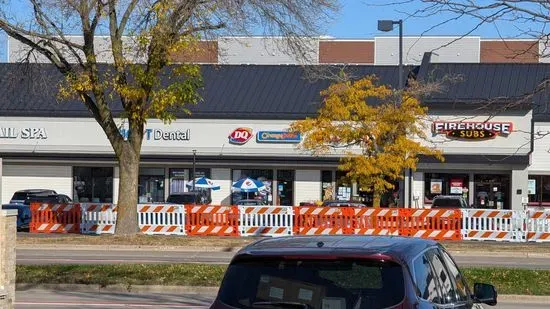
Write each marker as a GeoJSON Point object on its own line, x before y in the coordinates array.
{"type": "Point", "coordinates": [55, 218]}
{"type": "Point", "coordinates": [438, 224]}
{"type": "Point", "coordinates": [499, 225]}
{"type": "Point", "coordinates": [98, 218]}
{"type": "Point", "coordinates": [315, 220]}
{"type": "Point", "coordinates": [161, 219]}
{"type": "Point", "coordinates": [538, 225]}
{"type": "Point", "coordinates": [265, 220]}
{"type": "Point", "coordinates": [203, 220]}
{"type": "Point", "coordinates": [209, 220]}
{"type": "Point", "coordinates": [375, 221]}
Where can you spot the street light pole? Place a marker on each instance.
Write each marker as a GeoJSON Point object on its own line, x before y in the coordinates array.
{"type": "Point", "coordinates": [401, 83]}
{"type": "Point", "coordinates": [194, 165]}
{"type": "Point", "coordinates": [386, 26]}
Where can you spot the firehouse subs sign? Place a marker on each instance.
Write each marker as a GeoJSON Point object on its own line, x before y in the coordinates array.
{"type": "Point", "coordinates": [472, 130]}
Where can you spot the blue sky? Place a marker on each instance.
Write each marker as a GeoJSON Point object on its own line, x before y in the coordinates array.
{"type": "Point", "coordinates": [358, 19]}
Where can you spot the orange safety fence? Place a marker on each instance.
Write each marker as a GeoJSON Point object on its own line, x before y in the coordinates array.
{"type": "Point", "coordinates": [55, 218]}
{"type": "Point", "coordinates": [433, 224]}
{"type": "Point", "coordinates": [438, 224]}
{"type": "Point", "coordinates": [209, 220]}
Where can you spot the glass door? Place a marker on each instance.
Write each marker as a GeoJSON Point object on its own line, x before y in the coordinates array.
{"type": "Point", "coordinates": [285, 187]}
{"type": "Point", "coordinates": [492, 191]}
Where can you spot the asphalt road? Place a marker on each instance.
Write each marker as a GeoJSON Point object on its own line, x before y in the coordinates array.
{"type": "Point", "coordinates": [35, 299]}
{"type": "Point", "coordinates": [79, 256]}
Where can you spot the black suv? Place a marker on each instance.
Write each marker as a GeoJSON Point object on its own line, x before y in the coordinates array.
{"type": "Point", "coordinates": [22, 196]}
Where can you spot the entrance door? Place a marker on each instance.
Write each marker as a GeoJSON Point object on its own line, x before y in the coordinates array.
{"type": "Point", "coordinates": [492, 191]}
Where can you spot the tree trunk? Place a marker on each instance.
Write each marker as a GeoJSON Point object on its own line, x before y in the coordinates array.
{"type": "Point", "coordinates": [127, 223]}
{"type": "Point", "coordinates": [376, 199]}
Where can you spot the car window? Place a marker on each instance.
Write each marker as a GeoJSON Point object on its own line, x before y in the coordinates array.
{"type": "Point", "coordinates": [461, 288]}
{"type": "Point", "coordinates": [345, 284]}
{"type": "Point", "coordinates": [425, 279]}
{"type": "Point", "coordinates": [443, 278]}
{"type": "Point", "coordinates": [19, 196]}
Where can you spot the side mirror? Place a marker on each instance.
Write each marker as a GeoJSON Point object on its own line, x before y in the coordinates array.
{"type": "Point", "coordinates": [485, 293]}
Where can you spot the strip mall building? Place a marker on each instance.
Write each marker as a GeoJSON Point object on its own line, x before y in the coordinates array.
{"type": "Point", "coordinates": [490, 157]}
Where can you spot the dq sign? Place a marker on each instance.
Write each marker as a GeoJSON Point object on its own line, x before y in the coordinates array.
{"type": "Point", "coordinates": [240, 136]}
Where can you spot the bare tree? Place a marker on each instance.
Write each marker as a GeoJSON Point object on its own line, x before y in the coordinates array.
{"type": "Point", "coordinates": [146, 32]}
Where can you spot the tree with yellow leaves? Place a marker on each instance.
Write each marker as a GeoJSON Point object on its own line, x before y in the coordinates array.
{"type": "Point", "coordinates": [379, 133]}
{"type": "Point", "coordinates": [141, 36]}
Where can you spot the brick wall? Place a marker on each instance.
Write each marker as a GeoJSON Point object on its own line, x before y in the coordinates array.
{"type": "Point", "coordinates": [8, 234]}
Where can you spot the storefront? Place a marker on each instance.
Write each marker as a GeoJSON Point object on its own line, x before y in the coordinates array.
{"type": "Point", "coordinates": [486, 161]}
{"type": "Point", "coordinates": [238, 133]}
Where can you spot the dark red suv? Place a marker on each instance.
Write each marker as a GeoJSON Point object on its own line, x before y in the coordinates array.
{"type": "Point", "coordinates": [347, 272]}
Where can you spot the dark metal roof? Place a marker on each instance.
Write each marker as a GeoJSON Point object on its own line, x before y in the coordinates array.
{"type": "Point", "coordinates": [475, 83]}
{"type": "Point", "coordinates": [399, 248]}
{"type": "Point", "coordinates": [282, 91]}
{"type": "Point", "coordinates": [230, 91]}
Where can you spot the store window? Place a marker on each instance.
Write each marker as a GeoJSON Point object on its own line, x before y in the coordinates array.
{"type": "Point", "coordinates": [263, 175]}
{"type": "Point", "coordinates": [445, 184]}
{"type": "Point", "coordinates": [492, 191]}
{"type": "Point", "coordinates": [539, 190]}
{"type": "Point", "coordinates": [93, 184]}
{"type": "Point", "coordinates": [179, 177]}
{"type": "Point", "coordinates": [285, 187]}
{"type": "Point", "coordinates": [343, 187]}
{"type": "Point", "coordinates": [151, 185]}
{"type": "Point", "coordinates": [327, 188]}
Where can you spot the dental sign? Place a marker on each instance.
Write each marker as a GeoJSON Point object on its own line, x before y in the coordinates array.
{"type": "Point", "coordinates": [472, 130]}
{"type": "Point", "coordinates": [23, 133]}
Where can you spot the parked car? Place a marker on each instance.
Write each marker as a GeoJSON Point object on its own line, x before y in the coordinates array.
{"type": "Point", "coordinates": [348, 272]}
{"type": "Point", "coordinates": [21, 196]}
{"type": "Point", "coordinates": [49, 198]}
{"type": "Point", "coordinates": [336, 203]}
{"type": "Point", "coordinates": [196, 197]}
{"type": "Point", "coordinates": [250, 202]}
{"type": "Point", "coordinates": [449, 201]}
{"type": "Point", "coordinates": [23, 214]}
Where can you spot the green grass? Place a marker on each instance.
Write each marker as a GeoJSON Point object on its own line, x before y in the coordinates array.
{"type": "Point", "coordinates": [507, 280]}
{"type": "Point", "coordinates": [511, 280]}
{"type": "Point", "coordinates": [127, 274]}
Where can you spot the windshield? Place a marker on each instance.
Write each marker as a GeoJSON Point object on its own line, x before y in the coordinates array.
{"type": "Point", "coordinates": [342, 284]}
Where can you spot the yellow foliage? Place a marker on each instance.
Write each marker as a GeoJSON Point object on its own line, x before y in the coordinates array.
{"type": "Point", "coordinates": [379, 135]}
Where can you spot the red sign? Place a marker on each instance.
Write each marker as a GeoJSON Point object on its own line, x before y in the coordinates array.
{"type": "Point", "coordinates": [240, 136]}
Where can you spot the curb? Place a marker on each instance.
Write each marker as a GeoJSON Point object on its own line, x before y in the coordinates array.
{"type": "Point", "coordinates": [235, 249]}
{"type": "Point", "coordinates": [119, 288]}
{"type": "Point", "coordinates": [203, 290]}
{"type": "Point", "coordinates": [125, 248]}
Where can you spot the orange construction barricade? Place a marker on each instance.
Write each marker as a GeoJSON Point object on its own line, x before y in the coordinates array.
{"type": "Point", "coordinates": [318, 220]}
{"type": "Point", "coordinates": [55, 218]}
{"type": "Point", "coordinates": [438, 224]}
{"type": "Point", "coordinates": [375, 221]}
{"type": "Point", "coordinates": [209, 220]}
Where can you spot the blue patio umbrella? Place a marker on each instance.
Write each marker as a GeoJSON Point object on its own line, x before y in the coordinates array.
{"type": "Point", "coordinates": [248, 185]}
{"type": "Point", "coordinates": [203, 183]}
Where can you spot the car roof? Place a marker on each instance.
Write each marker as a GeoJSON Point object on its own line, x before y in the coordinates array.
{"type": "Point", "coordinates": [401, 249]}
{"type": "Point", "coordinates": [34, 190]}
